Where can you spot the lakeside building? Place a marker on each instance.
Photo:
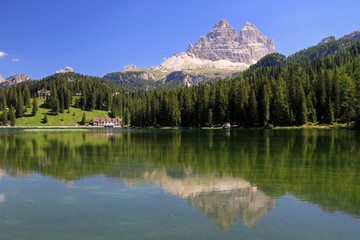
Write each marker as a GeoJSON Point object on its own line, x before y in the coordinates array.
{"type": "Point", "coordinates": [76, 93]}
{"type": "Point", "coordinates": [110, 122]}
{"type": "Point", "coordinates": [43, 93]}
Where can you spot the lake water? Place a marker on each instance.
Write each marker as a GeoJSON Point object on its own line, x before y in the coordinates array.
{"type": "Point", "coordinates": [180, 184]}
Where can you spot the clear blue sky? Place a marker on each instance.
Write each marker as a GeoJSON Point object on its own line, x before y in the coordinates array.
{"type": "Point", "coordinates": [98, 37]}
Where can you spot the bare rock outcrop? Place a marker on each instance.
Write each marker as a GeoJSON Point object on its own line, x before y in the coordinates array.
{"type": "Point", "coordinates": [327, 39]}
{"type": "Point", "coordinates": [66, 69]}
{"type": "Point", "coordinates": [353, 36]}
{"type": "Point", "coordinates": [128, 67]}
{"type": "Point", "coordinates": [222, 48]}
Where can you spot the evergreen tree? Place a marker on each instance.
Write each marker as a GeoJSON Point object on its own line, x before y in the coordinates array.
{"type": "Point", "coordinates": [253, 111]}
{"type": "Point", "coordinates": [12, 117]}
{"type": "Point", "coordinates": [83, 120]}
{"type": "Point", "coordinates": [26, 94]}
{"type": "Point", "coordinates": [4, 117]}
{"type": "Point", "coordinates": [210, 118]}
{"type": "Point", "coordinates": [303, 114]}
{"type": "Point", "coordinates": [20, 106]}
{"type": "Point", "coordinates": [281, 108]}
{"type": "Point", "coordinates": [45, 119]}
{"type": "Point", "coordinates": [35, 106]}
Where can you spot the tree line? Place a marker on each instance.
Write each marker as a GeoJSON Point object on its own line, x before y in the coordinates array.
{"type": "Point", "coordinates": [323, 90]}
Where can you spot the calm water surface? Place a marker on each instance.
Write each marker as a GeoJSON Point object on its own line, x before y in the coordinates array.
{"type": "Point", "coordinates": [180, 184]}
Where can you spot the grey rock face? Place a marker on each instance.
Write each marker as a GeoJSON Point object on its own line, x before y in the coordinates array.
{"type": "Point", "coordinates": [128, 67]}
{"type": "Point", "coordinates": [18, 78]}
{"type": "Point", "coordinates": [353, 36]}
{"type": "Point", "coordinates": [327, 39]}
{"type": "Point", "coordinates": [67, 69]}
{"type": "Point", "coordinates": [222, 43]}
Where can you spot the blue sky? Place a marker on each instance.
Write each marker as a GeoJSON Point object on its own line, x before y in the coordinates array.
{"type": "Point", "coordinates": [38, 37]}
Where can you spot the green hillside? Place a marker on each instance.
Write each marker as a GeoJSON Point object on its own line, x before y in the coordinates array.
{"type": "Point", "coordinates": [70, 117]}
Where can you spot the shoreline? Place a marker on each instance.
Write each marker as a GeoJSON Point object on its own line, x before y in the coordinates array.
{"type": "Point", "coordinates": [302, 127]}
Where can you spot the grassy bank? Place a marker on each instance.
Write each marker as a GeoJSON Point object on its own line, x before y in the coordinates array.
{"type": "Point", "coordinates": [70, 117]}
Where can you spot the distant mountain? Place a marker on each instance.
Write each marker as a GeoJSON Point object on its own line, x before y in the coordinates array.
{"type": "Point", "coordinates": [222, 48]}
{"type": "Point", "coordinates": [221, 54]}
{"type": "Point", "coordinates": [328, 45]}
{"type": "Point", "coordinates": [148, 79]}
{"type": "Point", "coordinates": [18, 78]}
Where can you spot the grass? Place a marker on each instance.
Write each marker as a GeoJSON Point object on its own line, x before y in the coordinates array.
{"type": "Point", "coordinates": [56, 120]}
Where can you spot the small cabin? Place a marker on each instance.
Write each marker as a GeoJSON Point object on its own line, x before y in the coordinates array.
{"type": "Point", "coordinates": [43, 93]}
{"type": "Point", "coordinates": [116, 122]}
{"type": "Point", "coordinates": [76, 93]}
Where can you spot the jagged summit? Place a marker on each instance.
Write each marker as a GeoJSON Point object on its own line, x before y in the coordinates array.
{"type": "Point", "coordinates": [223, 48]}
{"type": "Point", "coordinates": [222, 29]}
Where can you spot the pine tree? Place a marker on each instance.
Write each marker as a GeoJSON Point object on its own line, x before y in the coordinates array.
{"type": "Point", "coordinates": [27, 97]}
{"type": "Point", "coordinates": [20, 106]}
{"type": "Point", "coordinates": [83, 120]}
{"type": "Point", "coordinates": [265, 106]}
{"type": "Point", "coordinates": [281, 113]}
{"type": "Point", "coordinates": [12, 117]}
{"type": "Point", "coordinates": [45, 119]}
{"type": "Point", "coordinates": [210, 118]}
{"type": "Point", "coordinates": [4, 117]}
{"type": "Point", "coordinates": [35, 107]}
{"type": "Point", "coordinates": [303, 113]}
{"type": "Point", "coordinates": [253, 111]}
{"type": "Point", "coordinates": [329, 115]}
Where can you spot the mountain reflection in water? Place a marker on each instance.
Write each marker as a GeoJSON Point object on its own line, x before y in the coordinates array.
{"type": "Point", "coordinates": [224, 174]}
{"type": "Point", "coordinates": [223, 198]}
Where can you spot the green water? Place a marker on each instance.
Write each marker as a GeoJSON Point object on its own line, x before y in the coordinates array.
{"type": "Point", "coordinates": [180, 184]}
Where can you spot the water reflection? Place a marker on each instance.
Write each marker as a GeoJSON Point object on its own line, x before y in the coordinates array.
{"type": "Point", "coordinates": [222, 198]}
{"type": "Point", "coordinates": [223, 174]}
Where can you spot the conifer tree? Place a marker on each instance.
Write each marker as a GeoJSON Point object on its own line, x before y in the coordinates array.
{"type": "Point", "coordinates": [26, 93]}
{"type": "Point", "coordinates": [210, 118]}
{"type": "Point", "coordinates": [83, 120]}
{"type": "Point", "coordinates": [35, 106]}
{"type": "Point", "coordinates": [45, 119]}
{"type": "Point", "coordinates": [12, 117]}
{"type": "Point", "coordinates": [253, 111]}
{"type": "Point", "coordinates": [4, 117]}
{"type": "Point", "coordinates": [281, 107]}
{"type": "Point", "coordinates": [20, 106]}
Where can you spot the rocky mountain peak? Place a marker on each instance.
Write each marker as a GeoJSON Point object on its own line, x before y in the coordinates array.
{"type": "Point", "coordinates": [66, 69]}
{"type": "Point", "coordinates": [327, 39]}
{"type": "Point", "coordinates": [128, 67]}
{"type": "Point", "coordinates": [14, 79]}
{"type": "Point", "coordinates": [222, 29]}
{"type": "Point", "coordinates": [353, 36]}
{"type": "Point", "coordinates": [223, 43]}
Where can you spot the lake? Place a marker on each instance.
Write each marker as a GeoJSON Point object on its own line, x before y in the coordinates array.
{"type": "Point", "coordinates": [179, 184]}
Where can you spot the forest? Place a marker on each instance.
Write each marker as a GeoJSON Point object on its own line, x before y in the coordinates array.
{"type": "Point", "coordinates": [324, 90]}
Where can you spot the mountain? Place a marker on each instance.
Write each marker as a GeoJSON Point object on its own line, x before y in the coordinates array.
{"type": "Point", "coordinates": [18, 78]}
{"type": "Point", "coordinates": [328, 45]}
{"type": "Point", "coordinates": [222, 48]}
{"type": "Point", "coordinates": [221, 54]}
